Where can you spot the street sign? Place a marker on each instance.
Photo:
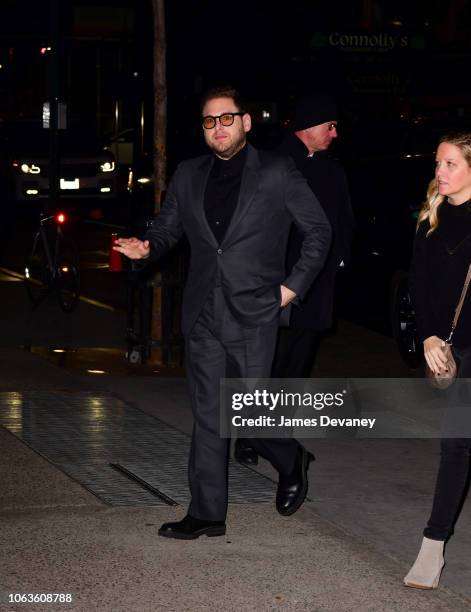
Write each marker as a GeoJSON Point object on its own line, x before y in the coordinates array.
{"type": "Point", "coordinates": [61, 115]}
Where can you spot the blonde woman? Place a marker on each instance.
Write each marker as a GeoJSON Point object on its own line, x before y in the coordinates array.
{"type": "Point", "coordinates": [442, 254]}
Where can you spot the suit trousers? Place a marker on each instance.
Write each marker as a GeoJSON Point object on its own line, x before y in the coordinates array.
{"type": "Point", "coordinates": [218, 347]}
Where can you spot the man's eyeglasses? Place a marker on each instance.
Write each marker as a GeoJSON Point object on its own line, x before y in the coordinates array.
{"type": "Point", "coordinates": [332, 126]}
{"type": "Point", "coordinates": [226, 120]}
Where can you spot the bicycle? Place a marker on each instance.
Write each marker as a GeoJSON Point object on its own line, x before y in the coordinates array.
{"type": "Point", "coordinates": [53, 264]}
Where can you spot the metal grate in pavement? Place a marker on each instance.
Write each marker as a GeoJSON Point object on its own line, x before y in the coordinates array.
{"type": "Point", "coordinates": [82, 433]}
{"type": "Point", "coordinates": [245, 486]}
{"type": "Point", "coordinates": [111, 487]}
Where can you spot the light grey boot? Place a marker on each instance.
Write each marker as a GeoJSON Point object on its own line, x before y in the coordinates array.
{"type": "Point", "coordinates": [425, 573]}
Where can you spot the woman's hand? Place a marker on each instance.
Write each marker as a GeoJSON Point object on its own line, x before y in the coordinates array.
{"type": "Point", "coordinates": [434, 354]}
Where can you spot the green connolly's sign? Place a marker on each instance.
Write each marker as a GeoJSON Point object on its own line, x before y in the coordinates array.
{"type": "Point", "coordinates": [352, 42]}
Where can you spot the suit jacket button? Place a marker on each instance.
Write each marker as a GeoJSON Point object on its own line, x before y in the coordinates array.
{"type": "Point", "coordinates": [219, 251]}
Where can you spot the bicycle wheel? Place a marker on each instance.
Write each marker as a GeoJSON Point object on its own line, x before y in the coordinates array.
{"type": "Point", "coordinates": [67, 282]}
{"type": "Point", "coordinates": [37, 276]}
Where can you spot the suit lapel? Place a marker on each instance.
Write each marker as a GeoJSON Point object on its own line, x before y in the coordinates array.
{"type": "Point", "coordinates": [199, 181]}
{"type": "Point", "coordinates": [248, 189]}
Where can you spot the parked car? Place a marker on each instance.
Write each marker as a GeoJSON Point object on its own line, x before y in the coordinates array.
{"type": "Point", "coordinates": [121, 145]}
{"type": "Point", "coordinates": [86, 169]}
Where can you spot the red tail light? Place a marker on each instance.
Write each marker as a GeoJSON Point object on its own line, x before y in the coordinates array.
{"type": "Point", "coordinates": [61, 218]}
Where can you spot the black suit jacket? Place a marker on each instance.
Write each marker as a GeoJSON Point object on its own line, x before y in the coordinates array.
{"type": "Point", "coordinates": [249, 264]}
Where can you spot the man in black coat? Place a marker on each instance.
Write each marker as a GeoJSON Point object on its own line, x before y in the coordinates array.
{"type": "Point", "coordinates": [312, 131]}
{"type": "Point", "coordinates": [236, 206]}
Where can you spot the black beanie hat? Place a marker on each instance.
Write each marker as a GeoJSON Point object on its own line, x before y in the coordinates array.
{"type": "Point", "coordinates": [313, 109]}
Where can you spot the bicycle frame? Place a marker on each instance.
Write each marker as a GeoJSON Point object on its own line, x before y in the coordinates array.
{"type": "Point", "coordinates": [53, 264]}
{"type": "Point", "coordinates": [43, 219]}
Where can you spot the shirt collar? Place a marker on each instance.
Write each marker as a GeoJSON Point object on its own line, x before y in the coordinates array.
{"type": "Point", "coordinates": [232, 166]}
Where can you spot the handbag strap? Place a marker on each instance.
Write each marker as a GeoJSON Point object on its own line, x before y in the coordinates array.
{"type": "Point", "coordinates": [460, 304]}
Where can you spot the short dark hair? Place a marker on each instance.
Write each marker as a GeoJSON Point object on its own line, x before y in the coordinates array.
{"type": "Point", "coordinates": [223, 91]}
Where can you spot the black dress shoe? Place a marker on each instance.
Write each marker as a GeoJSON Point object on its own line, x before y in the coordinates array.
{"type": "Point", "coordinates": [244, 453]}
{"type": "Point", "coordinates": [191, 528]}
{"type": "Point", "coordinates": [292, 489]}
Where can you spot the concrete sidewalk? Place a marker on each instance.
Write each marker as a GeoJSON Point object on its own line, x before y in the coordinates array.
{"type": "Point", "coordinates": [347, 549]}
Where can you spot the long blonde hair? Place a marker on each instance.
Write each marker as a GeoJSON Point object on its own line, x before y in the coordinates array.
{"type": "Point", "coordinates": [430, 208]}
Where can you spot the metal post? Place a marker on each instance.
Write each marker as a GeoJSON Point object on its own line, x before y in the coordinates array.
{"type": "Point", "coordinates": [54, 76]}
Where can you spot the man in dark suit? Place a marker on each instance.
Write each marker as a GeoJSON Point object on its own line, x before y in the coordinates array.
{"type": "Point", "coordinates": [235, 206]}
{"type": "Point", "coordinates": [311, 133]}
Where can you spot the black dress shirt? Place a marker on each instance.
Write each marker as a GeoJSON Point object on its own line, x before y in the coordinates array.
{"type": "Point", "coordinates": [222, 192]}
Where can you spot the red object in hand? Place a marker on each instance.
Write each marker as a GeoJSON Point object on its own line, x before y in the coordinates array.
{"type": "Point", "coordinates": [115, 261]}
{"type": "Point", "coordinates": [61, 218]}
